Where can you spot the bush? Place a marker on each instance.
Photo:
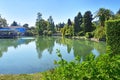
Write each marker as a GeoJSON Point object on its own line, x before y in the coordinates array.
{"type": "Point", "coordinates": [49, 33]}
{"type": "Point", "coordinates": [45, 32]}
{"type": "Point", "coordinates": [29, 33]}
{"type": "Point", "coordinates": [100, 33]}
{"type": "Point", "coordinates": [89, 35]}
{"type": "Point", "coordinates": [113, 35]}
{"type": "Point", "coordinates": [103, 67]}
{"type": "Point", "coordinates": [81, 33]}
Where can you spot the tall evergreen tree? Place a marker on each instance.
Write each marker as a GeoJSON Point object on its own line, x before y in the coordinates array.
{"type": "Point", "coordinates": [87, 21]}
{"type": "Point", "coordinates": [51, 25]}
{"type": "Point", "coordinates": [77, 23]}
{"type": "Point", "coordinates": [39, 17]}
{"type": "Point", "coordinates": [26, 26]}
{"type": "Point", "coordinates": [69, 22]}
{"type": "Point", "coordinates": [14, 23]}
{"type": "Point", "coordinates": [41, 24]}
{"type": "Point", "coordinates": [59, 26]}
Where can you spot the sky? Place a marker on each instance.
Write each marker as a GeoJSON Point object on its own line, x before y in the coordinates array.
{"type": "Point", "coordinates": [25, 11]}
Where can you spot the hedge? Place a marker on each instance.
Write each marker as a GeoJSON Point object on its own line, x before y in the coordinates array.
{"type": "Point", "coordinates": [113, 36]}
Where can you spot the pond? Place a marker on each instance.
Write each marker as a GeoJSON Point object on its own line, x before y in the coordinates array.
{"type": "Point", "coordinates": [31, 55]}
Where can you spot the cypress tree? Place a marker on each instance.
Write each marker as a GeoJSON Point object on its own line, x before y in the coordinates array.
{"type": "Point", "coordinates": [77, 23]}
{"type": "Point", "coordinates": [87, 20]}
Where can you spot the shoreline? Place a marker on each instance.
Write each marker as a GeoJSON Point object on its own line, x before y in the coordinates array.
{"type": "Point", "coordinates": [92, 39]}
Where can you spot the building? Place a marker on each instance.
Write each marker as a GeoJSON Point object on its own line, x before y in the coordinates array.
{"type": "Point", "coordinates": [19, 29]}
{"type": "Point", "coordinates": [12, 31]}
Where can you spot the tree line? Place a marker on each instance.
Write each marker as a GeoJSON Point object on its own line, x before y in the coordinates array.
{"type": "Point", "coordinates": [45, 27]}
{"type": "Point", "coordinates": [88, 25]}
{"type": "Point", "coordinates": [83, 25]}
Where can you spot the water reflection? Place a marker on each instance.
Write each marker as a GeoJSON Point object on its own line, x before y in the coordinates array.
{"type": "Point", "coordinates": [82, 47]}
{"type": "Point", "coordinates": [44, 43]}
{"type": "Point", "coordinates": [6, 43]}
{"type": "Point", "coordinates": [79, 47]}
{"type": "Point", "coordinates": [26, 55]}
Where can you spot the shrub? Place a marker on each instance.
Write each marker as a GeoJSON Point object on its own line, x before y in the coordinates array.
{"type": "Point", "coordinates": [45, 32]}
{"type": "Point", "coordinates": [49, 33]}
{"type": "Point", "coordinates": [103, 67]}
{"type": "Point", "coordinates": [100, 33]}
{"type": "Point", "coordinates": [29, 33]}
{"type": "Point", "coordinates": [89, 35]}
{"type": "Point", "coordinates": [81, 33]}
{"type": "Point", "coordinates": [113, 35]}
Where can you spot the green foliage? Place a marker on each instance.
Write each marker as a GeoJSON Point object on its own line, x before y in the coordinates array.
{"type": "Point", "coordinates": [89, 35]}
{"type": "Point", "coordinates": [117, 15]}
{"type": "Point", "coordinates": [45, 32]}
{"type": "Point", "coordinates": [3, 22]}
{"type": "Point", "coordinates": [104, 14]}
{"type": "Point", "coordinates": [103, 67]}
{"type": "Point", "coordinates": [59, 26]}
{"type": "Point", "coordinates": [67, 31]}
{"type": "Point", "coordinates": [41, 26]}
{"type": "Point", "coordinates": [87, 21]}
{"type": "Point", "coordinates": [44, 27]}
{"type": "Point", "coordinates": [100, 33]}
{"type": "Point", "coordinates": [29, 33]}
{"type": "Point", "coordinates": [77, 23]}
{"type": "Point", "coordinates": [26, 26]}
{"type": "Point", "coordinates": [81, 33]}
{"type": "Point", "coordinates": [43, 43]}
{"type": "Point", "coordinates": [49, 33]}
{"type": "Point", "coordinates": [51, 26]}
{"type": "Point", "coordinates": [14, 23]}
{"type": "Point", "coordinates": [63, 31]}
{"type": "Point", "coordinates": [113, 35]}
{"type": "Point", "coordinates": [69, 22]}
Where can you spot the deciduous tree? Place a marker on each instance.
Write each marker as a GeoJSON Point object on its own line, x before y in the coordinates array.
{"type": "Point", "coordinates": [3, 22]}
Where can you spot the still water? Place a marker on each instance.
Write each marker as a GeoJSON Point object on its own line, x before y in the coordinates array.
{"type": "Point", "coordinates": [31, 55]}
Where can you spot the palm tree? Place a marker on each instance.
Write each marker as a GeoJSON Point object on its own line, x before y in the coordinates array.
{"type": "Point", "coordinates": [103, 15]}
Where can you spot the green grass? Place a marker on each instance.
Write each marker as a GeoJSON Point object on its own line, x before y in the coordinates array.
{"type": "Point", "coordinates": [36, 76]}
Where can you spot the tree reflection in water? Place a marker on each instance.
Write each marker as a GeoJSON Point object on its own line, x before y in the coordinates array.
{"type": "Point", "coordinates": [6, 43]}
{"type": "Point", "coordinates": [44, 43]}
{"type": "Point", "coordinates": [79, 47]}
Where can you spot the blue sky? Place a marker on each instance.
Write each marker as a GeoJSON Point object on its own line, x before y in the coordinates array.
{"type": "Point", "coordinates": [25, 11]}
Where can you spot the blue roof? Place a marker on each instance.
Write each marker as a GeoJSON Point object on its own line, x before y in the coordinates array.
{"type": "Point", "coordinates": [5, 29]}
{"type": "Point", "coordinates": [22, 30]}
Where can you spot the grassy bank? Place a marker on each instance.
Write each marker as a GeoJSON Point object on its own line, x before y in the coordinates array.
{"type": "Point", "coordinates": [36, 76]}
